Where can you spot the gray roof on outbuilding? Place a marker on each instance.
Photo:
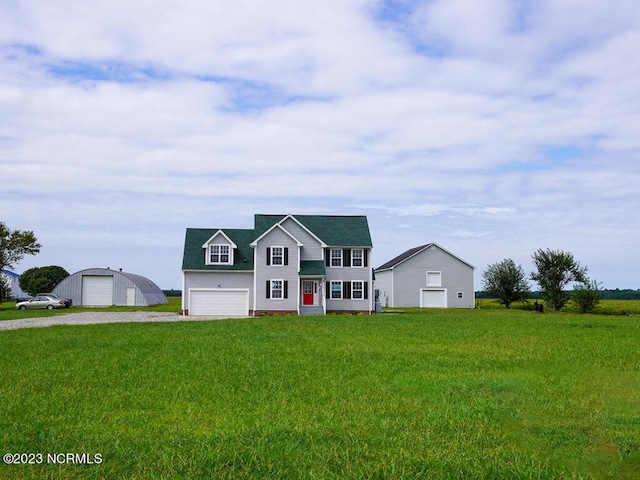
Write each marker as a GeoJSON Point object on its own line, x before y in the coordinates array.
{"type": "Point", "coordinates": [413, 251]}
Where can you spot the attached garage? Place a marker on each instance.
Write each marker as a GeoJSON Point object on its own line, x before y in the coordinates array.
{"type": "Point", "coordinates": [219, 301]}
{"type": "Point", "coordinates": [433, 298]}
{"type": "Point", "coordinates": [100, 287]}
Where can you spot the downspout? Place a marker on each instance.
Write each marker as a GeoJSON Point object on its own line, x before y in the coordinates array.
{"type": "Point", "coordinates": [255, 275]}
{"type": "Point", "coordinates": [184, 286]}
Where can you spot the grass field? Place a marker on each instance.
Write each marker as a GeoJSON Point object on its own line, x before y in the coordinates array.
{"type": "Point", "coordinates": [9, 312]}
{"type": "Point", "coordinates": [419, 394]}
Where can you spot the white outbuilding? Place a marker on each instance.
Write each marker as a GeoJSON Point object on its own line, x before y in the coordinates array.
{"type": "Point", "coordinates": [426, 276]}
{"type": "Point", "coordinates": [102, 287]}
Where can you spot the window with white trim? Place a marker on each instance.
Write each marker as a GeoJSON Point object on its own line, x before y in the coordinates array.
{"type": "Point", "coordinates": [277, 289]}
{"type": "Point", "coordinates": [336, 257]}
{"type": "Point", "coordinates": [219, 254]}
{"type": "Point", "coordinates": [357, 290]}
{"type": "Point", "coordinates": [434, 279]}
{"type": "Point", "coordinates": [357, 257]}
{"type": "Point", "coordinates": [277, 255]}
{"type": "Point", "coordinates": [336, 290]}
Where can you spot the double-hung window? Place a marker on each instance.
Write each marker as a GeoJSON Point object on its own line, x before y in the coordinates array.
{"type": "Point", "coordinates": [277, 255]}
{"type": "Point", "coordinates": [357, 290]}
{"type": "Point", "coordinates": [357, 256]}
{"type": "Point", "coordinates": [277, 289]}
{"type": "Point", "coordinates": [219, 254]}
{"type": "Point", "coordinates": [336, 257]}
{"type": "Point", "coordinates": [336, 290]}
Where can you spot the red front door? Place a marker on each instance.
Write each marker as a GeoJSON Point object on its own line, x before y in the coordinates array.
{"type": "Point", "coordinates": [307, 292]}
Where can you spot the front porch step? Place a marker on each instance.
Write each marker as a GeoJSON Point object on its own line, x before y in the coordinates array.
{"type": "Point", "coordinates": [312, 310]}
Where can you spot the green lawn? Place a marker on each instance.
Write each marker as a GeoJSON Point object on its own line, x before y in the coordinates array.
{"type": "Point", "coordinates": [419, 394]}
{"type": "Point", "coordinates": [8, 310]}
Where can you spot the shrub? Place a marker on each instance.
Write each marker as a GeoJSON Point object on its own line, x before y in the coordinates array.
{"type": "Point", "coordinates": [586, 296]}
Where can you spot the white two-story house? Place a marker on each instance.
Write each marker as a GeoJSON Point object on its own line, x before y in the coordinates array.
{"type": "Point", "coordinates": [301, 264]}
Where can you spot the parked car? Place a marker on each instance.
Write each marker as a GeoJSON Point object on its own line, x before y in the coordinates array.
{"type": "Point", "coordinates": [42, 301]}
{"type": "Point", "coordinates": [67, 301]}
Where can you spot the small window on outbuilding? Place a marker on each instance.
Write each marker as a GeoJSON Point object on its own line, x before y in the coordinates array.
{"type": "Point", "coordinates": [434, 279]}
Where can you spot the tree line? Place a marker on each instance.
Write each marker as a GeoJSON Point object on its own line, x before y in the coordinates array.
{"type": "Point", "coordinates": [554, 271]}
{"type": "Point", "coordinates": [605, 294]}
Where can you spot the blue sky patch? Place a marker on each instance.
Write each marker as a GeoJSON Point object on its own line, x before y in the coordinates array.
{"type": "Point", "coordinates": [18, 48]}
{"type": "Point", "coordinates": [248, 95]}
{"type": "Point", "coordinates": [108, 71]}
{"type": "Point", "coordinates": [394, 11]}
{"type": "Point", "coordinates": [560, 153]}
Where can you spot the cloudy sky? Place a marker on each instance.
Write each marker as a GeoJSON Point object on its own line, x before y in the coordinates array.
{"type": "Point", "coordinates": [492, 127]}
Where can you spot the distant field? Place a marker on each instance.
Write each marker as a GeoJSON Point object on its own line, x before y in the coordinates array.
{"type": "Point", "coordinates": [606, 307]}
{"type": "Point", "coordinates": [414, 394]}
{"type": "Point", "coordinates": [618, 307]}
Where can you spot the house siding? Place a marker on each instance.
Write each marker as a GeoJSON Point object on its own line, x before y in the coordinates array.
{"type": "Point", "coordinates": [227, 280]}
{"type": "Point", "coordinates": [349, 274]}
{"type": "Point", "coordinates": [288, 273]}
{"type": "Point", "coordinates": [13, 282]}
{"type": "Point", "coordinates": [312, 249]}
{"type": "Point", "coordinates": [384, 284]}
{"type": "Point", "coordinates": [402, 285]}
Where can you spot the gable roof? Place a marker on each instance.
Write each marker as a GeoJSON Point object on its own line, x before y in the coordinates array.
{"type": "Point", "coordinates": [194, 258]}
{"type": "Point", "coordinates": [220, 232]}
{"type": "Point", "coordinates": [277, 226]}
{"type": "Point", "coordinates": [414, 251]}
{"type": "Point", "coordinates": [333, 230]}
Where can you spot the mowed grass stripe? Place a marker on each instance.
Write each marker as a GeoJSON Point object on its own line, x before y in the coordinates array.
{"type": "Point", "coordinates": [426, 394]}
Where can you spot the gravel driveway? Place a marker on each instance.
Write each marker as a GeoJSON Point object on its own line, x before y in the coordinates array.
{"type": "Point", "coordinates": [87, 318]}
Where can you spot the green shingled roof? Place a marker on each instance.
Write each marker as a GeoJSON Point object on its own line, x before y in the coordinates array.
{"type": "Point", "coordinates": [333, 230]}
{"type": "Point", "coordinates": [194, 255]}
{"type": "Point", "coordinates": [312, 268]}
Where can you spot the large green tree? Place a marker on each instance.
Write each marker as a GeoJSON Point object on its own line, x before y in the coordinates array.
{"type": "Point", "coordinates": [555, 270]}
{"type": "Point", "coordinates": [42, 279]}
{"type": "Point", "coordinates": [506, 281]}
{"type": "Point", "coordinates": [15, 244]}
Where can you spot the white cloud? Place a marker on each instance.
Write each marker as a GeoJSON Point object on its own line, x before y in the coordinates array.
{"type": "Point", "coordinates": [492, 127]}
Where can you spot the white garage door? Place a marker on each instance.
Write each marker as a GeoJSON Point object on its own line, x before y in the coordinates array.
{"type": "Point", "coordinates": [97, 290]}
{"type": "Point", "coordinates": [434, 298]}
{"type": "Point", "coordinates": [219, 302]}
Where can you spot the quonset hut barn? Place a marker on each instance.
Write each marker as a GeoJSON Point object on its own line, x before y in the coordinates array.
{"type": "Point", "coordinates": [105, 287]}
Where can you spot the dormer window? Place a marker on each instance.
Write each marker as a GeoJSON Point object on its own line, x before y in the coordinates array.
{"type": "Point", "coordinates": [219, 249]}
{"type": "Point", "coordinates": [219, 254]}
